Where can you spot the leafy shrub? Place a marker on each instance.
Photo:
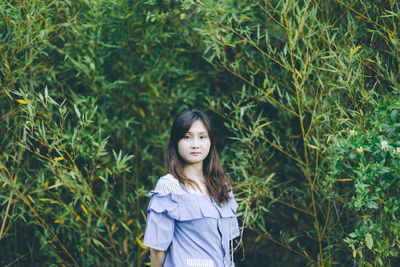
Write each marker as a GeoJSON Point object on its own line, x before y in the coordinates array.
{"type": "Point", "coordinates": [371, 158]}
{"type": "Point", "coordinates": [89, 90]}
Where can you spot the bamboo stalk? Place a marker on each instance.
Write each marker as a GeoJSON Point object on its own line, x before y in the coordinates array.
{"type": "Point", "coordinates": [307, 166]}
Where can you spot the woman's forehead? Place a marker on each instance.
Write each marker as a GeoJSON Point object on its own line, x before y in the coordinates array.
{"type": "Point", "coordinates": [198, 127]}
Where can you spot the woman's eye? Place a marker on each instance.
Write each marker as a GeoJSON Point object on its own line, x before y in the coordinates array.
{"type": "Point", "coordinates": [202, 137]}
{"type": "Point", "coordinates": [187, 137]}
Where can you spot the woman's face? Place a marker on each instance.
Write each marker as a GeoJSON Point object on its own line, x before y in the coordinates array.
{"type": "Point", "coordinates": [195, 145]}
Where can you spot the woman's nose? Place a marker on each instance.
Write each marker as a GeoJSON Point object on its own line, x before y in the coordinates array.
{"type": "Point", "coordinates": [194, 142]}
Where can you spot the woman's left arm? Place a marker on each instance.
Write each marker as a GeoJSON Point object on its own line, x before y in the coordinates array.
{"type": "Point", "coordinates": [157, 257]}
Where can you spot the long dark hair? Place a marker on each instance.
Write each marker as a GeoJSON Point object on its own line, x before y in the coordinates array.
{"type": "Point", "coordinates": [216, 182]}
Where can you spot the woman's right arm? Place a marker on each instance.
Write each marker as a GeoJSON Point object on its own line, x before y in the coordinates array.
{"type": "Point", "coordinates": [157, 257]}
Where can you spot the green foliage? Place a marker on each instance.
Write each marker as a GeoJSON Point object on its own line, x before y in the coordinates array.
{"type": "Point", "coordinates": [372, 159]}
{"type": "Point", "coordinates": [87, 92]}
{"type": "Point", "coordinates": [304, 96]}
{"type": "Point", "coordinates": [309, 69]}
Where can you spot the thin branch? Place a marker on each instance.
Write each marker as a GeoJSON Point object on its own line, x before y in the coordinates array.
{"type": "Point", "coordinates": [305, 147]}
{"type": "Point", "coordinates": [263, 138]}
{"type": "Point", "coordinates": [287, 204]}
{"type": "Point", "coordinates": [358, 13]}
{"type": "Point", "coordinates": [26, 201]}
{"type": "Point", "coordinates": [268, 236]}
{"type": "Point", "coordinates": [7, 210]}
{"type": "Point", "coordinates": [266, 94]}
{"type": "Point", "coordinates": [17, 259]}
{"type": "Point", "coordinates": [327, 219]}
{"type": "Point", "coordinates": [262, 51]}
{"type": "Point", "coordinates": [269, 14]}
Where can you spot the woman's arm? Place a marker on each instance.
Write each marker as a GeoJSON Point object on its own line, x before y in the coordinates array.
{"type": "Point", "coordinates": [157, 257]}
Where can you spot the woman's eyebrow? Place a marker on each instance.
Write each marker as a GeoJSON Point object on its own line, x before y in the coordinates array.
{"type": "Point", "coordinates": [199, 132]}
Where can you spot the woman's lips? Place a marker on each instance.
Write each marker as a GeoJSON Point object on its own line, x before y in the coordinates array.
{"type": "Point", "coordinates": [195, 153]}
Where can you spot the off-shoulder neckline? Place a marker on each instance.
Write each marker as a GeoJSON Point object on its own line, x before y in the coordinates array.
{"type": "Point", "coordinates": [188, 190]}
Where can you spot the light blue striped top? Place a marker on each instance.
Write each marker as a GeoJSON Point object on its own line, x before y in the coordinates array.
{"type": "Point", "coordinates": [190, 227]}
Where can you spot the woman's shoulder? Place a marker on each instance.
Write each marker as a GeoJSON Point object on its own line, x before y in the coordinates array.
{"type": "Point", "coordinates": [169, 184]}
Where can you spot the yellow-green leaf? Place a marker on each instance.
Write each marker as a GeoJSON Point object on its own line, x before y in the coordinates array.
{"type": "Point", "coordinates": [126, 227]}
{"type": "Point", "coordinates": [390, 36]}
{"type": "Point", "coordinates": [265, 83]}
{"type": "Point", "coordinates": [313, 147]}
{"type": "Point", "coordinates": [31, 199]}
{"type": "Point", "coordinates": [84, 209]}
{"type": "Point", "coordinates": [142, 112]}
{"type": "Point", "coordinates": [269, 178]}
{"type": "Point", "coordinates": [298, 73]}
{"type": "Point", "coordinates": [355, 49]}
{"type": "Point", "coordinates": [368, 240]}
{"type": "Point", "coordinates": [345, 180]}
{"type": "Point", "coordinates": [331, 84]}
{"type": "Point", "coordinates": [130, 14]}
{"type": "Point", "coordinates": [48, 200]}
{"type": "Point", "coordinates": [98, 243]}
{"type": "Point", "coordinates": [264, 124]}
{"type": "Point", "coordinates": [21, 101]}
{"type": "Point", "coordinates": [140, 243]}
{"type": "Point", "coordinates": [269, 92]}
{"type": "Point", "coordinates": [305, 64]}
{"type": "Point", "coordinates": [188, 79]}
{"type": "Point", "coordinates": [60, 221]}
{"type": "Point", "coordinates": [57, 160]}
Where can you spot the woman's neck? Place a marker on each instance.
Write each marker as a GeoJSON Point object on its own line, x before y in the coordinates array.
{"type": "Point", "coordinates": [194, 172]}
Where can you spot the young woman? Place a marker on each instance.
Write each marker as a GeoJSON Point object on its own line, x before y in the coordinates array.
{"type": "Point", "coordinates": [191, 218]}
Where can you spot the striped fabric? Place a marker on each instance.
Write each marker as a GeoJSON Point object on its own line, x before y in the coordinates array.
{"type": "Point", "coordinates": [199, 262]}
{"type": "Point", "coordinates": [190, 227]}
{"type": "Point", "coordinates": [169, 184]}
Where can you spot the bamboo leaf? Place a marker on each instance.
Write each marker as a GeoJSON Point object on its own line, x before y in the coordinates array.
{"type": "Point", "coordinates": [355, 49]}
{"type": "Point", "coordinates": [313, 147]}
{"type": "Point", "coordinates": [126, 227]}
{"type": "Point", "coordinates": [368, 240]}
{"type": "Point", "coordinates": [21, 101]}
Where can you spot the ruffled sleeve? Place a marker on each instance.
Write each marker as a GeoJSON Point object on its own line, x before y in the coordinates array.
{"type": "Point", "coordinates": [171, 204]}
{"type": "Point", "coordinates": [163, 203]}
{"type": "Point", "coordinates": [159, 230]}
{"type": "Point", "coordinates": [161, 215]}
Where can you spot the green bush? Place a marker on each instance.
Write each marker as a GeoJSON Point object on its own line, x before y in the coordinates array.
{"type": "Point", "coordinates": [87, 92]}
{"type": "Point", "coordinates": [371, 157]}
{"type": "Point", "coordinates": [307, 70]}
{"type": "Point", "coordinates": [295, 89]}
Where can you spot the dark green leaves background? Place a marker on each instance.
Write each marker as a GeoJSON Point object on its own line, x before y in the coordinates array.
{"type": "Point", "coordinates": [303, 95]}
